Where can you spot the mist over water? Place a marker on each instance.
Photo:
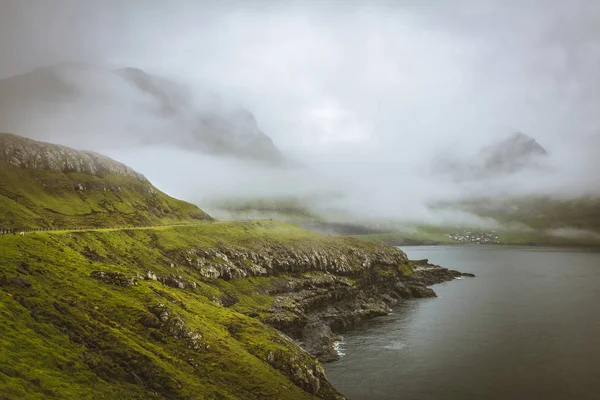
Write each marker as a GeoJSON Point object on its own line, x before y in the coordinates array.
{"type": "Point", "coordinates": [363, 99]}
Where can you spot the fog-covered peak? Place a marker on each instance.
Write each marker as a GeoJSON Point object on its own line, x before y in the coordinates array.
{"type": "Point", "coordinates": [93, 106]}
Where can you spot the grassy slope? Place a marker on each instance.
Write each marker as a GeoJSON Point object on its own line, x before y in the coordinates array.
{"type": "Point", "coordinates": [36, 198]}
{"type": "Point", "coordinates": [435, 234]}
{"type": "Point", "coordinates": [72, 337]}
{"type": "Point", "coordinates": [541, 212]}
{"type": "Point", "coordinates": [505, 236]}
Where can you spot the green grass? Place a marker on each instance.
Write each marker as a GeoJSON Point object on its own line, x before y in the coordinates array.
{"type": "Point", "coordinates": [37, 198]}
{"type": "Point", "coordinates": [537, 212]}
{"type": "Point", "coordinates": [544, 238]}
{"type": "Point", "coordinates": [70, 336]}
{"type": "Point", "coordinates": [505, 236]}
{"type": "Point", "coordinates": [422, 233]}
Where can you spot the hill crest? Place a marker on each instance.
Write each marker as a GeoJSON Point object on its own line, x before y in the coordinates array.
{"type": "Point", "coordinates": [28, 153]}
{"type": "Point", "coordinates": [43, 185]}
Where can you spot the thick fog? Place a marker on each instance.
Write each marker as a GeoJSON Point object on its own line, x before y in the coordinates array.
{"type": "Point", "coordinates": [365, 97]}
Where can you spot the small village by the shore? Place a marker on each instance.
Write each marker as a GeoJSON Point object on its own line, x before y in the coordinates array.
{"type": "Point", "coordinates": [475, 237]}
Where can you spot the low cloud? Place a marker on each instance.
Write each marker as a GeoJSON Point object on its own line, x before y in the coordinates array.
{"type": "Point", "coordinates": [366, 96]}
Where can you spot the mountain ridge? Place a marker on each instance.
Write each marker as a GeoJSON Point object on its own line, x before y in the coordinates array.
{"type": "Point", "coordinates": [513, 154]}
{"type": "Point", "coordinates": [27, 153]}
{"type": "Point", "coordinates": [81, 104]}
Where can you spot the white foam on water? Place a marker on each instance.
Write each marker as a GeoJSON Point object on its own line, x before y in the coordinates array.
{"type": "Point", "coordinates": [395, 346]}
{"type": "Point", "coordinates": [337, 346]}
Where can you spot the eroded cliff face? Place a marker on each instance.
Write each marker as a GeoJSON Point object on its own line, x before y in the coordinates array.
{"type": "Point", "coordinates": [21, 152]}
{"type": "Point", "coordinates": [318, 293]}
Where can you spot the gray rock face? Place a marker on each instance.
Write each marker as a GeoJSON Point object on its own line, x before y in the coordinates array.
{"type": "Point", "coordinates": [175, 326]}
{"type": "Point", "coordinates": [114, 278]}
{"type": "Point", "coordinates": [313, 311]}
{"type": "Point", "coordinates": [21, 152]}
{"type": "Point", "coordinates": [319, 291]}
{"type": "Point", "coordinates": [229, 262]}
{"type": "Point", "coordinates": [176, 281]}
{"type": "Point", "coordinates": [402, 290]}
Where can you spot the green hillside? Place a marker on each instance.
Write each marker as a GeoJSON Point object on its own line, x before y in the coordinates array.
{"type": "Point", "coordinates": [141, 314]}
{"type": "Point", "coordinates": [72, 336]}
{"type": "Point", "coordinates": [540, 212]}
{"type": "Point", "coordinates": [44, 185]}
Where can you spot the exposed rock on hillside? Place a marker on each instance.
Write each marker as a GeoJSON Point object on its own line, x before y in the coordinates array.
{"type": "Point", "coordinates": [318, 291]}
{"type": "Point", "coordinates": [46, 185]}
{"type": "Point", "coordinates": [26, 153]}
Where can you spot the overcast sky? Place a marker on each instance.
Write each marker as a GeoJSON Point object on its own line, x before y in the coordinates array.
{"type": "Point", "coordinates": [349, 80]}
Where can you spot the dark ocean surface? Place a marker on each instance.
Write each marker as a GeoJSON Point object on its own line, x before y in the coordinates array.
{"type": "Point", "coordinates": [527, 327]}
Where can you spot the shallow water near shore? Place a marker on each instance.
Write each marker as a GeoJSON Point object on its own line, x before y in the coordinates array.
{"type": "Point", "coordinates": [527, 327]}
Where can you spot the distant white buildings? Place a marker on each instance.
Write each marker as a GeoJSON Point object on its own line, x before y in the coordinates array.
{"type": "Point", "coordinates": [474, 237]}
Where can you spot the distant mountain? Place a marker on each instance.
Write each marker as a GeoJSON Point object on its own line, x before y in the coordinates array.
{"type": "Point", "coordinates": [538, 212]}
{"type": "Point", "coordinates": [83, 105]}
{"type": "Point", "coordinates": [512, 154]}
{"type": "Point", "coordinates": [44, 185]}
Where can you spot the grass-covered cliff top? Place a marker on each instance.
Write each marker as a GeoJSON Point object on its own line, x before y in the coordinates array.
{"type": "Point", "coordinates": [44, 185]}
{"type": "Point", "coordinates": [171, 312]}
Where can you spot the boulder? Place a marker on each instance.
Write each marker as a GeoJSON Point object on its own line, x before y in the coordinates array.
{"type": "Point", "coordinates": [114, 278]}
{"type": "Point", "coordinates": [402, 290]}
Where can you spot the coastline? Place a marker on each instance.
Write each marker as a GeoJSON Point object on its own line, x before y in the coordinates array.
{"type": "Point", "coordinates": [326, 314]}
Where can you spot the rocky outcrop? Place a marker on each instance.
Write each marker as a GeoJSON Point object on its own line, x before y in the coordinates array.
{"type": "Point", "coordinates": [174, 326]}
{"type": "Point", "coordinates": [228, 261]}
{"type": "Point", "coordinates": [319, 291]}
{"type": "Point", "coordinates": [315, 310]}
{"type": "Point", "coordinates": [114, 278]}
{"type": "Point", "coordinates": [26, 153]}
{"type": "Point", "coordinates": [430, 274]}
{"type": "Point", "coordinates": [176, 281]}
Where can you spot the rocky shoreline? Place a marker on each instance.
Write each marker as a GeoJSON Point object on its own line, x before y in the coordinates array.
{"type": "Point", "coordinates": [256, 303]}
{"type": "Point", "coordinates": [316, 312]}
